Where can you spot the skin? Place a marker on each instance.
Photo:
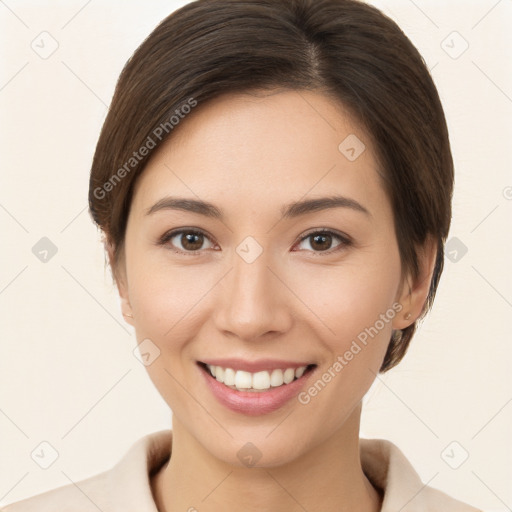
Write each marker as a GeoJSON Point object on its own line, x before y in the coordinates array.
{"type": "Point", "coordinates": [249, 155]}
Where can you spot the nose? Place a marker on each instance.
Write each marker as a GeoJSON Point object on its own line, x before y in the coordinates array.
{"type": "Point", "coordinates": [253, 303]}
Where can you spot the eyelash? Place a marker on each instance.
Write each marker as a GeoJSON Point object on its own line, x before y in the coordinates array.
{"type": "Point", "coordinates": [345, 241]}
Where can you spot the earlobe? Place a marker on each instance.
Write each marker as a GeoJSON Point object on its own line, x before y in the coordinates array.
{"type": "Point", "coordinates": [122, 289]}
{"type": "Point", "coordinates": [414, 292]}
{"type": "Point", "coordinates": [119, 275]}
{"type": "Point", "coordinates": [126, 307]}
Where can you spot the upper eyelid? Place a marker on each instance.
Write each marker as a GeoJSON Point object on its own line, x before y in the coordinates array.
{"type": "Point", "coordinates": [324, 230]}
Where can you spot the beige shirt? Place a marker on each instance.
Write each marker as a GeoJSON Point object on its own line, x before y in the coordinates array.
{"type": "Point", "coordinates": [126, 487]}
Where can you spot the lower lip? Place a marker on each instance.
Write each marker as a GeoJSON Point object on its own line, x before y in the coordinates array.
{"type": "Point", "coordinates": [257, 402]}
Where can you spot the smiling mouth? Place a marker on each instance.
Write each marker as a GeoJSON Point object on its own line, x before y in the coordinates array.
{"type": "Point", "coordinates": [261, 381]}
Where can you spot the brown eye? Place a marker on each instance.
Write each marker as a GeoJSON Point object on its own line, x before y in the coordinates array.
{"type": "Point", "coordinates": [323, 241]}
{"type": "Point", "coordinates": [186, 241]}
{"type": "Point", "coordinates": [191, 241]}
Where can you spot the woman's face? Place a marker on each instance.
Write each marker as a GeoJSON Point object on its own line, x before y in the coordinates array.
{"type": "Point", "coordinates": [247, 277]}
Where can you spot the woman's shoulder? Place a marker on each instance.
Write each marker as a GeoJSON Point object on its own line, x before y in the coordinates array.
{"type": "Point", "coordinates": [77, 496]}
{"type": "Point", "coordinates": [126, 486]}
{"type": "Point", "coordinates": [389, 470]}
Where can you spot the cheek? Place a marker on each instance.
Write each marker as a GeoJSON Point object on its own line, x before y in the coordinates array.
{"type": "Point", "coordinates": [168, 306]}
{"type": "Point", "coordinates": [351, 299]}
{"type": "Point", "coordinates": [167, 299]}
{"type": "Point", "coordinates": [356, 312]}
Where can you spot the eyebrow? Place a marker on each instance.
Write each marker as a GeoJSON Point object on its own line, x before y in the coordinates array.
{"type": "Point", "coordinates": [291, 210]}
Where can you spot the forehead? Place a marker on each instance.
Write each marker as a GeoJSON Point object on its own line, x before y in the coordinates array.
{"type": "Point", "coordinates": [264, 148]}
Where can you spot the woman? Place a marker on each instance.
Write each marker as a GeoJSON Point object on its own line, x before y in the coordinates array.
{"type": "Point", "coordinates": [274, 181]}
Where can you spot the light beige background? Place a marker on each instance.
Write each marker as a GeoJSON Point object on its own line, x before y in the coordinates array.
{"type": "Point", "coordinates": [68, 373]}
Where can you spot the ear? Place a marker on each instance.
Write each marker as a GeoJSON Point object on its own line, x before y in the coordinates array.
{"type": "Point", "coordinates": [119, 275]}
{"type": "Point", "coordinates": [414, 292]}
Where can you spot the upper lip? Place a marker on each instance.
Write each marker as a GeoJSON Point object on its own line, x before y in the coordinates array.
{"type": "Point", "coordinates": [254, 366]}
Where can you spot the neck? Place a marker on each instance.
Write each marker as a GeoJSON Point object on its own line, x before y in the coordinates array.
{"type": "Point", "coordinates": [327, 478]}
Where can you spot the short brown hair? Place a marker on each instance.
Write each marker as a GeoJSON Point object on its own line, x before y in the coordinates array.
{"type": "Point", "coordinates": [344, 48]}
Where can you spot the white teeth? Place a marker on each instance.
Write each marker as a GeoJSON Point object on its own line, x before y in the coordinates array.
{"type": "Point", "coordinates": [243, 380]}
{"type": "Point", "coordinates": [276, 378]}
{"type": "Point", "coordinates": [229, 376]}
{"type": "Point", "coordinates": [263, 380]}
{"type": "Point", "coordinates": [289, 375]}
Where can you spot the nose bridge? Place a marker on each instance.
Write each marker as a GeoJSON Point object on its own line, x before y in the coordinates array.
{"type": "Point", "coordinates": [252, 304]}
